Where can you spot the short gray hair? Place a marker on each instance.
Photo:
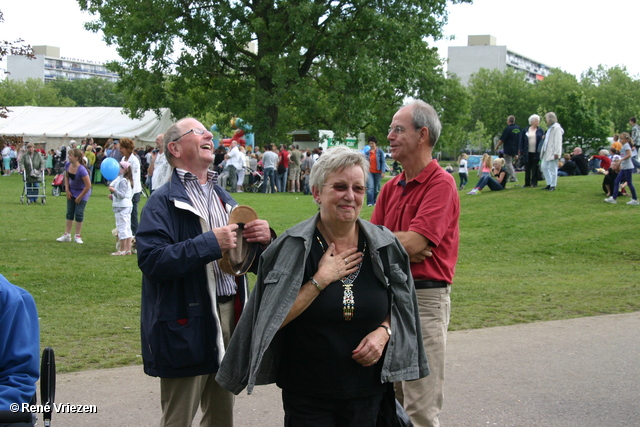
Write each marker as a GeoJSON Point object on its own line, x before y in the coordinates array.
{"type": "Point", "coordinates": [534, 117]}
{"type": "Point", "coordinates": [551, 116]}
{"type": "Point", "coordinates": [424, 115]}
{"type": "Point", "coordinates": [333, 160]}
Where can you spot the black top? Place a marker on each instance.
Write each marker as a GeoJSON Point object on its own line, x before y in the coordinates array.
{"type": "Point", "coordinates": [318, 344]}
{"type": "Point", "coordinates": [510, 138]}
{"type": "Point", "coordinates": [582, 163]}
{"type": "Point", "coordinates": [569, 167]}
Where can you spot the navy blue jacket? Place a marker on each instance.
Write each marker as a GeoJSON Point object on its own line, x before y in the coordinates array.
{"type": "Point", "coordinates": [181, 335]}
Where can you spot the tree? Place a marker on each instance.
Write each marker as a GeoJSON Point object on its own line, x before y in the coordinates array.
{"type": "Point", "coordinates": [454, 106]}
{"type": "Point", "coordinates": [33, 92]}
{"type": "Point", "coordinates": [315, 63]}
{"type": "Point", "coordinates": [14, 47]}
{"type": "Point", "coordinates": [584, 124]}
{"type": "Point", "coordinates": [615, 93]}
{"type": "Point", "coordinates": [93, 92]}
{"type": "Point", "coordinates": [498, 94]}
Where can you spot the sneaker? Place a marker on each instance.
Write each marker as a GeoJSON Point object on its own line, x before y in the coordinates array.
{"type": "Point", "coordinates": [611, 200]}
{"type": "Point", "coordinates": [66, 237]}
{"type": "Point", "coordinates": [77, 238]}
{"type": "Point", "coordinates": [474, 191]}
{"type": "Point", "coordinates": [633, 202]}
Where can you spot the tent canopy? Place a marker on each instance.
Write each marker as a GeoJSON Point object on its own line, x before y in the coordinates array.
{"type": "Point", "coordinates": [55, 123]}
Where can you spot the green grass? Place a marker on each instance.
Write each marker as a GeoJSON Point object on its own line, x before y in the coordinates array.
{"type": "Point", "coordinates": [525, 255]}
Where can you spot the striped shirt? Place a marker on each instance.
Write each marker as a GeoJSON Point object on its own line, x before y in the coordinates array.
{"type": "Point", "coordinates": [209, 206]}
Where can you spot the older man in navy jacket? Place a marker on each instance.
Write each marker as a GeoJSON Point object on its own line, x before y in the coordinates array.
{"type": "Point", "coordinates": [189, 305]}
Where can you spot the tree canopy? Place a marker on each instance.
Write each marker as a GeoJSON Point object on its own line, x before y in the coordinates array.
{"type": "Point", "coordinates": [280, 65]}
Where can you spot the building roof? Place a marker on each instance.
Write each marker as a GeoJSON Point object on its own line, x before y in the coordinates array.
{"type": "Point", "coordinates": [80, 122]}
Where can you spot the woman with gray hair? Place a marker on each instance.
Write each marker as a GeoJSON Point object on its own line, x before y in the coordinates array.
{"type": "Point", "coordinates": [551, 151]}
{"type": "Point", "coordinates": [333, 293]}
{"type": "Point", "coordinates": [530, 151]}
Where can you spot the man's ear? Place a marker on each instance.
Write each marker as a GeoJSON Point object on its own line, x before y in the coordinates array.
{"type": "Point", "coordinates": [424, 136]}
{"type": "Point", "coordinates": [174, 148]}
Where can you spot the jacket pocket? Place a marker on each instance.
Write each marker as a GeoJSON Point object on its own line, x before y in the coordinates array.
{"type": "Point", "coordinates": [185, 342]}
{"type": "Point", "coordinates": [396, 275]}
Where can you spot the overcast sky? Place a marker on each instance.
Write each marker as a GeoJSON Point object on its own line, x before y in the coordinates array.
{"type": "Point", "coordinates": [568, 34]}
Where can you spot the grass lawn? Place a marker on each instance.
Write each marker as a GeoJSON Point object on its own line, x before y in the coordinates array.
{"type": "Point", "coordinates": [525, 255]}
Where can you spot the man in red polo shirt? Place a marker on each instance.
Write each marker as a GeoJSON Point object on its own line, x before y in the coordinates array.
{"type": "Point", "coordinates": [421, 207]}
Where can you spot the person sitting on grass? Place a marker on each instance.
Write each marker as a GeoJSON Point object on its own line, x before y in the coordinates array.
{"type": "Point", "coordinates": [605, 160]}
{"type": "Point", "coordinates": [568, 167]}
{"type": "Point", "coordinates": [496, 181]}
{"type": "Point", "coordinates": [626, 169]}
{"type": "Point", "coordinates": [610, 176]}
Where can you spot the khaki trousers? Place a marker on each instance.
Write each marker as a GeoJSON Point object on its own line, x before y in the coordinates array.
{"type": "Point", "coordinates": [422, 399]}
{"type": "Point", "coordinates": [180, 397]}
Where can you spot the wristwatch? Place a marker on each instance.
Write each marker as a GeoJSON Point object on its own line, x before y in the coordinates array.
{"type": "Point", "coordinates": [386, 328]}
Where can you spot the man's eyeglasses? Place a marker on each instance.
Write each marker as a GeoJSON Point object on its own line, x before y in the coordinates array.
{"type": "Point", "coordinates": [398, 130]}
{"type": "Point", "coordinates": [195, 132]}
{"type": "Point", "coordinates": [341, 188]}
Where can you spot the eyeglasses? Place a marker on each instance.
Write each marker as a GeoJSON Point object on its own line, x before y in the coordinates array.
{"type": "Point", "coordinates": [195, 132]}
{"type": "Point", "coordinates": [341, 188]}
{"type": "Point", "coordinates": [398, 130]}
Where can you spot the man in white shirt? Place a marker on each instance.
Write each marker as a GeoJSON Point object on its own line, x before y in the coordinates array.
{"type": "Point", "coordinates": [235, 163]}
{"type": "Point", "coordinates": [159, 169]}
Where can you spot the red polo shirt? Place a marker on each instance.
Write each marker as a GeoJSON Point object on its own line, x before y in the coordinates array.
{"type": "Point", "coordinates": [428, 205]}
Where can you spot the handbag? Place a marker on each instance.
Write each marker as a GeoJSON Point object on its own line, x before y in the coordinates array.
{"type": "Point", "coordinates": [391, 412]}
{"type": "Point", "coordinates": [35, 173]}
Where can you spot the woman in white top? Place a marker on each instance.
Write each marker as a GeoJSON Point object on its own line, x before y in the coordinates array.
{"type": "Point", "coordinates": [530, 151]}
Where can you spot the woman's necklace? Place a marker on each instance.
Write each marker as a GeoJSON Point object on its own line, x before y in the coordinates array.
{"type": "Point", "coordinates": [348, 300]}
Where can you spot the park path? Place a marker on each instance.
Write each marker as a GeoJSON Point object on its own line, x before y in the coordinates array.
{"type": "Point", "coordinates": [568, 373]}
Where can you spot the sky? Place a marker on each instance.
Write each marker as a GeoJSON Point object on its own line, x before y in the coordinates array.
{"type": "Point", "coordinates": [568, 34]}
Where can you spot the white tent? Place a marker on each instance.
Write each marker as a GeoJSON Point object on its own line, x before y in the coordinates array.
{"type": "Point", "coordinates": [50, 125]}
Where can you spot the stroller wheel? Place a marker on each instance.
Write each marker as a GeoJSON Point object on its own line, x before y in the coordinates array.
{"type": "Point", "coordinates": [44, 200]}
{"type": "Point", "coordinates": [55, 191]}
{"type": "Point", "coordinates": [22, 199]}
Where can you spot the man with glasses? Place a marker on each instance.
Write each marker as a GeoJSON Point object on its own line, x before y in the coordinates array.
{"type": "Point", "coordinates": [421, 207]}
{"type": "Point", "coordinates": [189, 305]}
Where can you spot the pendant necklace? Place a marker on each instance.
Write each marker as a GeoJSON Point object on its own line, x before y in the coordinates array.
{"type": "Point", "coordinates": [348, 300]}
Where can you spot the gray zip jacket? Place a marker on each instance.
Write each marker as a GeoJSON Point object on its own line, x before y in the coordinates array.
{"type": "Point", "coordinates": [253, 355]}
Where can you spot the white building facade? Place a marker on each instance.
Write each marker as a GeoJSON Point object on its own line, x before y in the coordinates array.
{"type": "Point", "coordinates": [482, 52]}
{"type": "Point", "coordinates": [49, 65]}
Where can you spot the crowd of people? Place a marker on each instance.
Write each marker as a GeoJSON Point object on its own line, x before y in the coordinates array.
{"type": "Point", "coordinates": [540, 155]}
{"type": "Point", "coordinates": [361, 307]}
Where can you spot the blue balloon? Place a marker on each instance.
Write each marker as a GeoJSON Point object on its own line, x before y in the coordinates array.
{"type": "Point", "coordinates": [110, 168]}
{"type": "Point", "coordinates": [366, 149]}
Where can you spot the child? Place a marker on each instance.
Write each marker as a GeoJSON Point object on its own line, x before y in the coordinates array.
{"type": "Point", "coordinates": [626, 171]}
{"type": "Point", "coordinates": [462, 170]}
{"type": "Point", "coordinates": [121, 190]}
{"type": "Point", "coordinates": [485, 165]}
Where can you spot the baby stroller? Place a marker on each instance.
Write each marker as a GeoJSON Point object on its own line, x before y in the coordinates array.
{"type": "Point", "coordinates": [255, 181]}
{"type": "Point", "coordinates": [33, 191]}
{"type": "Point", "coordinates": [57, 185]}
